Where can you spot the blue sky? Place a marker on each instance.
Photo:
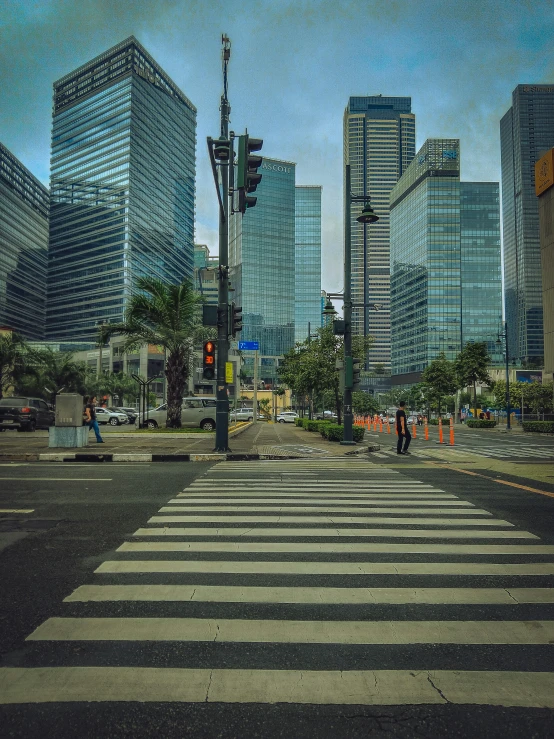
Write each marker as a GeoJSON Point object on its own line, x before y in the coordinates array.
{"type": "Point", "coordinates": [293, 66]}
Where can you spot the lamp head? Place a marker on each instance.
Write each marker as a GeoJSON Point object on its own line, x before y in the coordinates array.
{"type": "Point", "coordinates": [367, 215]}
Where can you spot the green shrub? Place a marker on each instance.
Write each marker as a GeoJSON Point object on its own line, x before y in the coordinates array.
{"type": "Point", "coordinates": [433, 421]}
{"type": "Point", "coordinates": [334, 432]}
{"type": "Point", "coordinates": [543, 427]}
{"type": "Point", "coordinates": [480, 423]}
{"type": "Point", "coordinates": [299, 422]}
{"type": "Point", "coordinates": [316, 425]}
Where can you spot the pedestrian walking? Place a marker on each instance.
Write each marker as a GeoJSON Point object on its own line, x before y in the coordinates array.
{"type": "Point", "coordinates": [91, 422]}
{"type": "Point", "coordinates": [402, 429]}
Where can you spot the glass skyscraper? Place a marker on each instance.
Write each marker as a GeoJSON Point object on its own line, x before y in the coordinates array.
{"type": "Point", "coordinates": [445, 261]}
{"type": "Point", "coordinates": [526, 133]}
{"type": "Point", "coordinates": [23, 248]}
{"type": "Point", "coordinates": [122, 188]}
{"type": "Point", "coordinates": [379, 144]}
{"type": "Point", "coordinates": [262, 260]}
{"type": "Point", "coordinates": [307, 307]}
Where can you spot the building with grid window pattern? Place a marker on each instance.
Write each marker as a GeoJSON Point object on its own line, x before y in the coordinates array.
{"type": "Point", "coordinates": [307, 262]}
{"type": "Point", "coordinates": [445, 262]}
{"type": "Point", "coordinates": [122, 188]}
{"type": "Point", "coordinates": [23, 248]}
{"type": "Point", "coordinates": [526, 134]}
{"type": "Point", "coordinates": [379, 144]}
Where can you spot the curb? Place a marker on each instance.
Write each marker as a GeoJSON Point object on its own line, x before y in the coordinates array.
{"type": "Point", "coordinates": [210, 457]}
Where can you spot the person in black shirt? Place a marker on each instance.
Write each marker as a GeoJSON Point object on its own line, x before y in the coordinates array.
{"type": "Point", "coordinates": [402, 429]}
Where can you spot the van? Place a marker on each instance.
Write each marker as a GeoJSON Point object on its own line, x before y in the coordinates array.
{"type": "Point", "coordinates": [197, 412]}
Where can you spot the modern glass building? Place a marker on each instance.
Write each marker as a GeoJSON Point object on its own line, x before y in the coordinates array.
{"type": "Point", "coordinates": [307, 262]}
{"type": "Point", "coordinates": [262, 260]}
{"type": "Point", "coordinates": [206, 274]}
{"type": "Point", "coordinates": [23, 248]}
{"type": "Point", "coordinates": [379, 144]}
{"type": "Point", "coordinates": [480, 264]}
{"type": "Point", "coordinates": [526, 134]}
{"type": "Point", "coordinates": [445, 261]}
{"type": "Point", "coordinates": [122, 188]}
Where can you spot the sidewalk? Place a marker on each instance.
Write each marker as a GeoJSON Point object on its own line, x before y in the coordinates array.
{"type": "Point", "coordinates": [261, 440]}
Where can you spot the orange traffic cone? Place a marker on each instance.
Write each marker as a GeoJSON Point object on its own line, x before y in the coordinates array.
{"type": "Point", "coordinates": [380, 424]}
{"type": "Point", "coordinates": [414, 432]}
{"type": "Point", "coordinates": [441, 440]}
{"type": "Point", "coordinates": [426, 428]}
{"type": "Point", "coordinates": [451, 432]}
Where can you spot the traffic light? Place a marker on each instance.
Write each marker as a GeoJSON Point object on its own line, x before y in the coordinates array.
{"type": "Point", "coordinates": [356, 372]}
{"type": "Point", "coordinates": [248, 177]}
{"type": "Point", "coordinates": [208, 361]}
{"type": "Point", "coordinates": [235, 319]}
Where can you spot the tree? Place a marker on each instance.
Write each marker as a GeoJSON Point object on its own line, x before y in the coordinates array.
{"type": "Point", "coordinates": [364, 403]}
{"type": "Point", "coordinates": [440, 378]}
{"type": "Point", "coordinates": [48, 373]}
{"type": "Point", "coordinates": [117, 385]}
{"type": "Point", "coordinates": [12, 358]}
{"type": "Point", "coordinates": [471, 367]}
{"type": "Point", "coordinates": [540, 397]}
{"type": "Point", "coordinates": [166, 316]}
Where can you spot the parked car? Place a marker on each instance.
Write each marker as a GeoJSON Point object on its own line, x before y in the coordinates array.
{"type": "Point", "coordinates": [287, 417]}
{"type": "Point", "coordinates": [131, 413]}
{"type": "Point", "coordinates": [114, 418]}
{"type": "Point", "coordinates": [197, 412]}
{"type": "Point", "coordinates": [25, 414]}
{"type": "Point", "coordinates": [326, 416]}
{"type": "Point", "coordinates": [242, 414]}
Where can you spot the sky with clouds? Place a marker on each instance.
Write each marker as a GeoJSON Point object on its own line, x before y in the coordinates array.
{"type": "Point", "coordinates": [294, 65]}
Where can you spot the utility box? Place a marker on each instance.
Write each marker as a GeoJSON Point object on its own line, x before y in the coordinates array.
{"type": "Point", "coordinates": [69, 410]}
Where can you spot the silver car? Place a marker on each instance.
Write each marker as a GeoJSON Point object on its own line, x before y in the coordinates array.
{"type": "Point", "coordinates": [114, 418]}
{"type": "Point", "coordinates": [196, 412]}
{"type": "Point", "coordinates": [287, 417]}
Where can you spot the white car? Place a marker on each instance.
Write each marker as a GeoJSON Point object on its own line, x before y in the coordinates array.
{"type": "Point", "coordinates": [242, 414]}
{"type": "Point", "coordinates": [287, 417]}
{"type": "Point", "coordinates": [114, 418]}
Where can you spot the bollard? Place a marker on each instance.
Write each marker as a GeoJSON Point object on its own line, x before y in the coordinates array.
{"type": "Point", "coordinates": [380, 424]}
{"type": "Point", "coordinates": [451, 432]}
{"type": "Point", "coordinates": [388, 426]}
{"type": "Point", "coordinates": [441, 440]}
{"type": "Point", "coordinates": [426, 428]}
{"type": "Point", "coordinates": [414, 432]}
{"type": "Point", "coordinates": [375, 423]}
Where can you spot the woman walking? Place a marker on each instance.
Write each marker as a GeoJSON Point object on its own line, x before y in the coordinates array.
{"type": "Point", "coordinates": [90, 416]}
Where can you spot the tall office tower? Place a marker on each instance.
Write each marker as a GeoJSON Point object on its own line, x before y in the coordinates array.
{"type": "Point", "coordinates": [262, 261]}
{"type": "Point", "coordinates": [206, 277]}
{"type": "Point", "coordinates": [122, 188]}
{"type": "Point", "coordinates": [379, 144]}
{"type": "Point", "coordinates": [445, 262]}
{"type": "Point", "coordinates": [480, 265]}
{"type": "Point", "coordinates": [23, 248]}
{"type": "Point", "coordinates": [526, 133]}
{"type": "Point", "coordinates": [307, 262]}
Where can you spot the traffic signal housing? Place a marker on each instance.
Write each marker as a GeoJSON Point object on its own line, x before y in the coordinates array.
{"type": "Point", "coordinates": [356, 373]}
{"type": "Point", "coordinates": [248, 177]}
{"type": "Point", "coordinates": [235, 319]}
{"type": "Point", "coordinates": [208, 360]}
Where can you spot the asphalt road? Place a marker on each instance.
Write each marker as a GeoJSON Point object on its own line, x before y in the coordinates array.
{"type": "Point", "coordinates": [232, 601]}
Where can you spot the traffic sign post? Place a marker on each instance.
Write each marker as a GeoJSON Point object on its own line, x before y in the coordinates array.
{"type": "Point", "coordinates": [249, 345]}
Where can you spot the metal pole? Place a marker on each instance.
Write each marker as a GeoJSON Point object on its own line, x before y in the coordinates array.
{"type": "Point", "coordinates": [508, 408]}
{"type": "Point", "coordinates": [255, 397]}
{"type": "Point", "coordinates": [222, 399]}
{"type": "Point", "coordinates": [347, 409]}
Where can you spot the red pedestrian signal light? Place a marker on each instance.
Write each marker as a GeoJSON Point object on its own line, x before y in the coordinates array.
{"type": "Point", "coordinates": [208, 360]}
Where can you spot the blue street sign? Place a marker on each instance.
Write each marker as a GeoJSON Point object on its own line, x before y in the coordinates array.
{"type": "Point", "coordinates": [252, 345]}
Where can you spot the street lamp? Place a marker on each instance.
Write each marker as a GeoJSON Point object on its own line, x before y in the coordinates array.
{"type": "Point", "coordinates": [504, 335]}
{"type": "Point", "coordinates": [366, 217]}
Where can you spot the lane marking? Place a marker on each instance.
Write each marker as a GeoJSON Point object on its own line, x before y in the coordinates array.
{"type": "Point", "coordinates": [334, 521]}
{"type": "Point", "coordinates": [409, 508]}
{"type": "Point", "coordinates": [331, 497]}
{"type": "Point", "coordinates": [336, 548]}
{"type": "Point", "coordinates": [294, 632]}
{"type": "Point", "coordinates": [326, 568]}
{"type": "Point", "coordinates": [17, 510]}
{"type": "Point", "coordinates": [314, 595]}
{"type": "Point", "coordinates": [502, 482]}
{"type": "Point", "coordinates": [376, 533]}
{"type": "Point", "coordinates": [355, 687]}
{"type": "Point", "coordinates": [59, 479]}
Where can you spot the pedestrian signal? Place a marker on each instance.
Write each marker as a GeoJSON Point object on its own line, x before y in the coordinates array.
{"type": "Point", "coordinates": [208, 361]}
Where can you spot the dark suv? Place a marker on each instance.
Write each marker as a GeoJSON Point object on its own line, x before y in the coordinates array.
{"type": "Point", "coordinates": [25, 414]}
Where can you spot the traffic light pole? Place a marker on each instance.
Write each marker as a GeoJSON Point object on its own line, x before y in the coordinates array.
{"type": "Point", "coordinates": [222, 399]}
{"type": "Point", "coordinates": [347, 311]}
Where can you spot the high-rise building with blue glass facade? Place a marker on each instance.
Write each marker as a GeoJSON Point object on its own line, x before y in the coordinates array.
{"type": "Point", "coordinates": [526, 134]}
{"type": "Point", "coordinates": [122, 188]}
{"type": "Point", "coordinates": [23, 248]}
{"type": "Point", "coordinates": [379, 144]}
{"type": "Point", "coordinates": [262, 260]}
{"type": "Point", "coordinates": [445, 262]}
{"type": "Point", "coordinates": [307, 263]}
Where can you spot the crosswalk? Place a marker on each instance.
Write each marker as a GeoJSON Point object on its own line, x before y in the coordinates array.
{"type": "Point", "coordinates": [506, 450]}
{"type": "Point", "coordinates": [377, 589]}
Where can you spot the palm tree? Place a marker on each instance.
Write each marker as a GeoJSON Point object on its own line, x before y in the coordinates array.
{"type": "Point", "coordinates": [12, 354]}
{"type": "Point", "coordinates": [48, 373]}
{"type": "Point", "coordinates": [167, 316]}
